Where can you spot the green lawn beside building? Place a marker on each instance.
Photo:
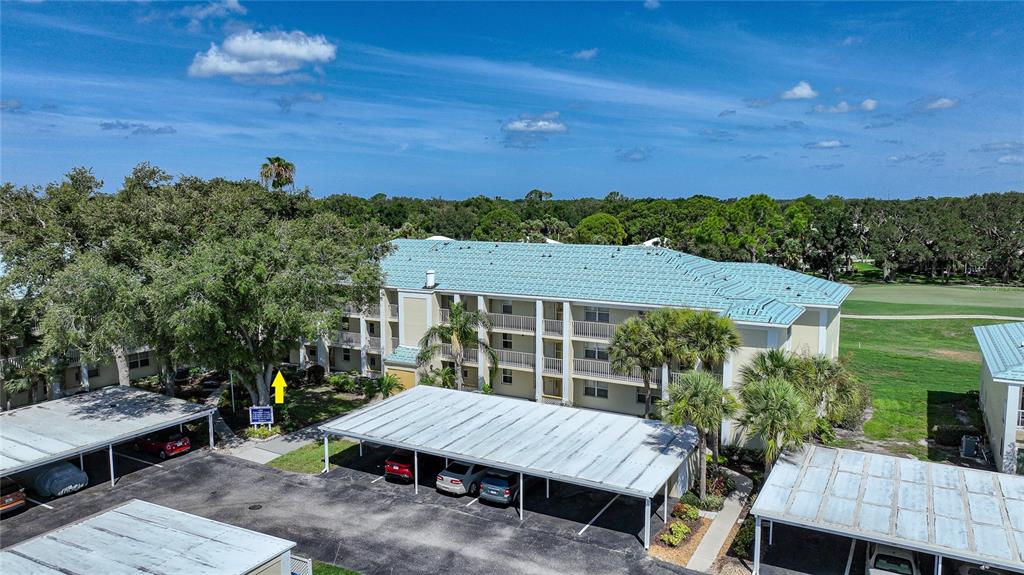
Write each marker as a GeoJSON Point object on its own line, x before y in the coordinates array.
{"type": "Point", "coordinates": [916, 299]}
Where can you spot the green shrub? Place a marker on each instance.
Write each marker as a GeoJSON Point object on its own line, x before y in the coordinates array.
{"type": "Point", "coordinates": [685, 512]}
{"type": "Point", "coordinates": [730, 484]}
{"type": "Point", "coordinates": [722, 459]}
{"type": "Point", "coordinates": [824, 432]}
{"type": "Point", "coordinates": [743, 543]}
{"type": "Point", "coordinates": [712, 503]}
{"type": "Point", "coordinates": [951, 434]}
{"type": "Point", "coordinates": [261, 431]}
{"type": "Point", "coordinates": [675, 534]}
{"type": "Point", "coordinates": [690, 498]}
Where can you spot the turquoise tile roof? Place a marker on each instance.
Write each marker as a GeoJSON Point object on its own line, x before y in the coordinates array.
{"type": "Point", "coordinates": [756, 293]}
{"type": "Point", "coordinates": [1003, 347]}
{"type": "Point", "coordinates": [403, 355]}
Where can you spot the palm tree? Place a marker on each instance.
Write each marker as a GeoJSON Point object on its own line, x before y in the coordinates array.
{"type": "Point", "coordinates": [775, 412]}
{"type": "Point", "coordinates": [771, 363]}
{"type": "Point", "coordinates": [444, 377]}
{"type": "Point", "coordinates": [699, 398]}
{"type": "Point", "coordinates": [461, 333]}
{"type": "Point", "coordinates": [277, 172]}
{"type": "Point", "coordinates": [635, 346]}
{"type": "Point", "coordinates": [828, 386]}
{"type": "Point", "coordinates": [670, 328]}
{"type": "Point", "coordinates": [712, 338]}
{"type": "Point", "coordinates": [387, 385]}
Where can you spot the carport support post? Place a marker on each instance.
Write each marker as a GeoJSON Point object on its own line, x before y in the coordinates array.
{"type": "Point", "coordinates": [771, 533]}
{"type": "Point", "coordinates": [360, 448]}
{"type": "Point", "coordinates": [938, 565]}
{"type": "Point", "coordinates": [327, 454]}
{"type": "Point", "coordinates": [209, 425]}
{"type": "Point", "coordinates": [522, 495]}
{"type": "Point", "coordinates": [81, 461]}
{"type": "Point", "coordinates": [547, 488]}
{"type": "Point", "coordinates": [110, 452]}
{"type": "Point", "coordinates": [647, 522]}
{"type": "Point", "coordinates": [664, 512]}
{"type": "Point", "coordinates": [757, 546]}
{"type": "Point", "coordinates": [416, 472]}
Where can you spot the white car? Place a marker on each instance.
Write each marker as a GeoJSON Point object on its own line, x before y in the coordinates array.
{"type": "Point", "coordinates": [886, 560]}
{"type": "Point", "coordinates": [460, 478]}
{"type": "Point", "coordinates": [968, 569]}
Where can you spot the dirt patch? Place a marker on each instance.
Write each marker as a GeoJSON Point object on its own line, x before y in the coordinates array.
{"type": "Point", "coordinates": [681, 555]}
{"type": "Point", "coordinates": [971, 356]}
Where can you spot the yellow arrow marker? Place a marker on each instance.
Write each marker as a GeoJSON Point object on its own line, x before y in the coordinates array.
{"type": "Point", "coordinates": [279, 386]}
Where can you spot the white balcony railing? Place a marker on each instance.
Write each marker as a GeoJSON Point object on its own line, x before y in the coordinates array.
{"type": "Point", "coordinates": [347, 339]}
{"type": "Point", "coordinates": [553, 327]}
{"type": "Point", "coordinates": [512, 322]}
{"type": "Point", "coordinates": [593, 329]}
{"type": "Point", "coordinates": [1020, 419]}
{"type": "Point", "coordinates": [509, 358]}
{"type": "Point", "coordinates": [445, 314]}
{"type": "Point", "coordinates": [552, 365]}
{"type": "Point", "coordinates": [14, 362]}
{"type": "Point", "coordinates": [393, 311]}
{"type": "Point", "coordinates": [604, 369]}
{"type": "Point", "coordinates": [469, 355]}
{"type": "Point", "coordinates": [394, 343]}
{"type": "Point", "coordinates": [371, 311]}
{"type": "Point", "coordinates": [373, 343]}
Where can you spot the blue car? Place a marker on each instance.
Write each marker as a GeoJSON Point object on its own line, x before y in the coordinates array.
{"type": "Point", "coordinates": [54, 480]}
{"type": "Point", "coordinates": [499, 486]}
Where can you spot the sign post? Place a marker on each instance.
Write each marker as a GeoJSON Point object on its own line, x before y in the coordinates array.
{"type": "Point", "coordinates": [261, 415]}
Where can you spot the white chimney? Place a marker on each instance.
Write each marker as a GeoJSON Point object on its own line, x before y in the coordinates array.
{"type": "Point", "coordinates": [430, 279]}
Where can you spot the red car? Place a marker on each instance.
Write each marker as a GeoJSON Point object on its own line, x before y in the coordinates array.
{"type": "Point", "coordinates": [163, 444]}
{"type": "Point", "coordinates": [12, 495]}
{"type": "Point", "coordinates": [399, 465]}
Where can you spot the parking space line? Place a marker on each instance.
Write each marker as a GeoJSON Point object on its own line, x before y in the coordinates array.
{"type": "Point", "coordinates": [603, 509]}
{"type": "Point", "coordinates": [378, 479]}
{"type": "Point", "coordinates": [39, 503]}
{"type": "Point", "coordinates": [472, 502]}
{"type": "Point", "coordinates": [119, 454]}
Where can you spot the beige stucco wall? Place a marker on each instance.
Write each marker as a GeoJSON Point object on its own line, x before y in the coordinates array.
{"type": "Point", "coordinates": [804, 338]}
{"type": "Point", "coordinates": [993, 406]}
{"type": "Point", "coordinates": [616, 315]}
{"type": "Point", "coordinates": [339, 359]}
{"type": "Point", "coordinates": [523, 343]}
{"type": "Point", "coordinates": [832, 333]}
{"type": "Point", "coordinates": [414, 319]}
{"type": "Point", "coordinates": [519, 307]}
{"type": "Point", "coordinates": [755, 340]}
{"type": "Point", "coordinates": [275, 567]}
{"type": "Point", "coordinates": [621, 398]}
{"type": "Point", "coordinates": [522, 385]}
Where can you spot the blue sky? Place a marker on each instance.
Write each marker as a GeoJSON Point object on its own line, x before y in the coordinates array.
{"type": "Point", "coordinates": [455, 100]}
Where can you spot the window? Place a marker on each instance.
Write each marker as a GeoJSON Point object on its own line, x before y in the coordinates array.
{"type": "Point", "coordinates": [641, 397]}
{"type": "Point", "coordinates": [344, 324]}
{"type": "Point", "coordinates": [346, 354]}
{"type": "Point", "coordinates": [465, 373]}
{"type": "Point", "coordinates": [595, 389]}
{"type": "Point", "coordinates": [311, 352]}
{"type": "Point", "coordinates": [137, 360]}
{"type": "Point", "coordinates": [371, 328]}
{"type": "Point", "coordinates": [598, 314]}
{"type": "Point", "coordinates": [93, 372]}
{"type": "Point", "coordinates": [506, 307]}
{"type": "Point", "coordinates": [506, 341]}
{"type": "Point", "coordinates": [506, 376]}
{"type": "Point", "coordinates": [373, 361]}
{"type": "Point", "coordinates": [332, 355]}
{"type": "Point", "coordinates": [596, 351]}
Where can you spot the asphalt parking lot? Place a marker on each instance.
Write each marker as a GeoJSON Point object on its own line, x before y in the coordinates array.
{"type": "Point", "coordinates": [351, 517]}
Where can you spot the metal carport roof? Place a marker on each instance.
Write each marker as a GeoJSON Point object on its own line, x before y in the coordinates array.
{"type": "Point", "coordinates": [967, 514]}
{"type": "Point", "coordinates": [54, 430]}
{"type": "Point", "coordinates": [606, 451]}
{"type": "Point", "coordinates": [140, 537]}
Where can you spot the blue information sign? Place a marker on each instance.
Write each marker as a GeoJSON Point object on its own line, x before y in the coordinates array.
{"type": "Point", "coordinates": [261, 415]}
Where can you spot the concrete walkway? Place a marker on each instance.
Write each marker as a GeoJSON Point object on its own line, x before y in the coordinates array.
{"type": "Point", "coordinates": [263, 452]}
{"type": "Point", "coordinates": [220, 427]}
{"type": "Point", "coordinates": [951, 316]}
{"type": "Point", "coordinates": [711, 544]}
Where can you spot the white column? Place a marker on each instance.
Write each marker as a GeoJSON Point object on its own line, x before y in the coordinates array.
{"type": "Point", "coordinates": [664, 381]}
{"type": "Point", "coordinates": [483, 363]}
{"type": "Point", "coordinates": [327, 454]}
{"type": "Point", "coordinates": [757, 546]}
{"type": "Point", "coordinates": [84, 370]}
{"type": "Point", "coordinates": [567, 353]}
{"type": "Point", "coordinates": [538, 351]}
{"type": "Point", "coordinates": [547, 488]}
{"type": "Point", "coordinates": [665, 511]}
{"type": "Point", "coordinates": [822, 331]}
{"type": "Point", "coordinates": [385, 327]}
{"type": "Point", "coordinates": [726, 429]}
{"type": "Point", "coordinates": [286, 563]}
{"type": "Point", "coordinates": [110, 453]}
{"type": "Point", "coordinates": [1013, 405]}
{"type": "Point", "coordinates": [209, 425]}
{"type": "Point", "coordinates": [647, 522]}
{"type": "Point", "coordinates": [323, 356]}
{"type": "Point", "coordinates": [303, 357]}
{"type": "Point", "coordinates": [456, 298]}
{"type": "Point", "coordinates": [938, 565]}
{"type": "Point", "coordinates": [522, 495]}
{"type": "Point", "coordinates": [416, 472]}
{"type": "Point", "coordinates": [363, 362]}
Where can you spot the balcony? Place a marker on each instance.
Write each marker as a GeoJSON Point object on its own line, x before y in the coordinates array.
{"type": "Point", "coordinates": [347, 339]}
{"type": "Point", "coordinates": [373, 344]}
{"type": "Point", "coordinates": [14, 362]}
{"type": "Point", "coordinates": [371, 311]}
{"type": "Point", "coordinates": [593, 330]}
{"type": "Point", "coordinates": [509, 322]}
{"type": "Point", "coordinates": [603, 369]}
{"type": "Point", "coordinates": [552, 366]}
{"type": "Point", "coordinates": [552, 327]}
{"type": "Point", "coordinates": [394, 343]}
{"type": "Point", "coordinates": [393, 311]}
{"type": "Point", "coordinates": [470, 355]}
{"type": "Point", "coordinates": [445, 315]}
{"type": "Point", "coordinates": [509, 358]}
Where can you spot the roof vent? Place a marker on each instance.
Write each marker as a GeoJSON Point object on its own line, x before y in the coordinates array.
{"type": "Point", "coordinates": [430, 280]}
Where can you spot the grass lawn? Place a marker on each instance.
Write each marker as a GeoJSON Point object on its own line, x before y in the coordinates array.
{"type": "Point", "coordinates": [921, 373]}
{"type": "Point", "coordinates": [310, 458]}
{"type": "Point", "coordinates": [320, 568]}
{"type": "Point", "coordinates": [911, 299]}
{"type": "Point", "coordinates": [303, 406]}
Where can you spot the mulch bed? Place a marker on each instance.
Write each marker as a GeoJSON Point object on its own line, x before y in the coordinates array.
{"type": "Point", "coordinates": [680, 555]}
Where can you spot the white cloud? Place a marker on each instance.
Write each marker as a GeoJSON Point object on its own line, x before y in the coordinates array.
{"type": "Point", "coordinates": [942, 104]}
{"type": "Point", "coordinates": [852, 40]}
{"type": "Point", "coordinates": [10, 104]}
{"type": "Point", "coordinates": [544, 124]}
{"type": "Point", "coordinates": [843, 107]}
{"type": "Point", "coordinates": [633, 155]}
{"type": "Point", "coordinates": [252, 53]}
{"type": "Point", "coordinates": [587, 54]}
{"type": "Point", "coordinates": [1000, 147]}
{"type": "Point", "coordinates": [652, 4]}
{"type": "Point", "coordinates": [197, 13]}
{"type": "Point", "coordinates": [802, 91]}
{"type": "Point", "coordinates": [825, 145]}
{"type": "Point", "coordinates": [1011, 159]}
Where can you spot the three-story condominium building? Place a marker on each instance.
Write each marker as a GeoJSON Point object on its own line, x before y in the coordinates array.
{"type": "Point", "coordinates": [554, 307]}
{"type": "Point", "coordinates": [1002, 392]}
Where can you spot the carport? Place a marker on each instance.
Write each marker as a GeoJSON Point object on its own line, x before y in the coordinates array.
{"type": "Point", "coordinates": [141, 537]}
{"type": "Point", "coordinates": [56, 430]}
{"type": "Point", "coordinates": [594, 449]}
{"type": "Point", "coordinates": [932, 508]}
